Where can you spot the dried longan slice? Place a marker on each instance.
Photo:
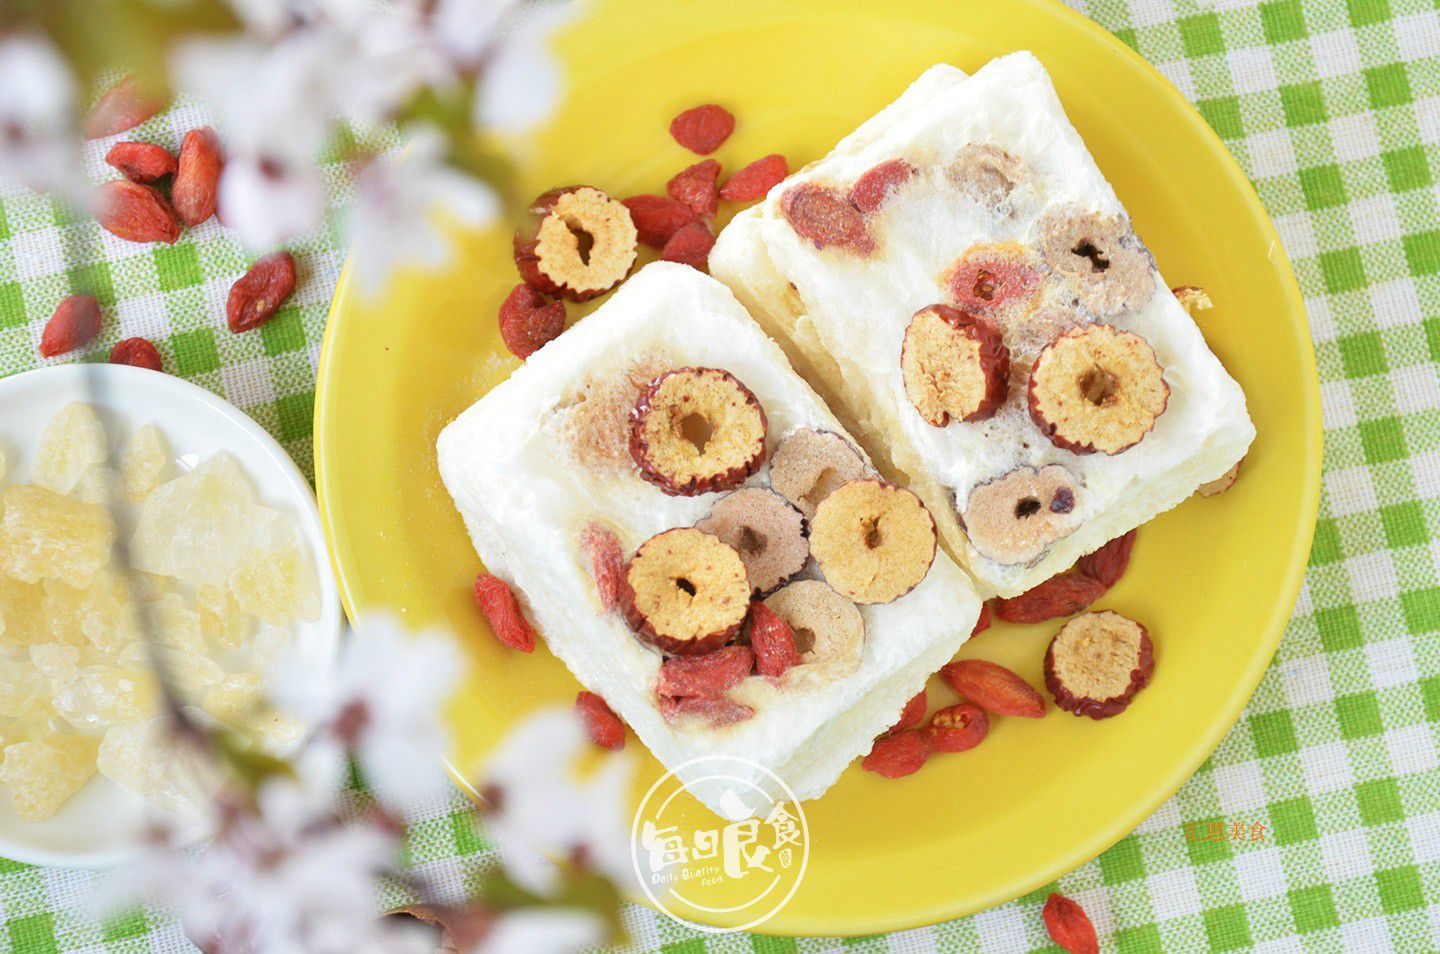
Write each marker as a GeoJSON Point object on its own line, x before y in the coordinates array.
{"type": "Point", "coordinates": [685, 592]}
{"type": "Point", "coordinates": [873, 541]}
{"type": "Point", "coordinates": [767, 531]}
{"type": "Point", "coordinates": [809, 465]}
{"type": "Point", "coordinates": [1097, 389]}
{"type": "Point", "coordinates": [955, 365]}
{"type": "Point", "coordinates": [829, 630]}
{"type": "Point", "coordinates": [1222, 483]}
{"type": "Point", "coordinates": [580, 243]}
{"type": "Point", "coordinates": [1015, 517]}
{"type": "Point", "coordinates": [986, 173]}
{"type": "Point", "coordinates": [1097, 663]}
{"type": "Point", "coordinates": [697, 430]}
{"type": "Point", "coordinates": [1103, 259]}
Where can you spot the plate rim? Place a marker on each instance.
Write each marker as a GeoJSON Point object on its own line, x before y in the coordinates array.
{"type": "Point", "coordinates": [313, 527]}
{"type": "Point", "coordinates": [1270, 634]}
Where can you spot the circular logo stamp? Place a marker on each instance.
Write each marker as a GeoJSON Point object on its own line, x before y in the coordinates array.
{"type": "Point", "coordinates": [737, 868]}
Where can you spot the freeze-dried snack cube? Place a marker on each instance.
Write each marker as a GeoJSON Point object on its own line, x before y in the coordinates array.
{"type": "Point", "coordinates": [193, 527]}
{"type": "Point", "coordinates": [42, 775]}
{"type": "Point", "coordinates": [100, 485]}
{"type": "Point", "coordinates": [102, 696]}
{"type": "Point", "coordinates": [277, 585]}
{"type": "Point", "coordinates": [239, 701]}
{"type": "Point", "coordinates": [223, 624]}
{"type": "Point", "coordinates": [73, 441]}
{"type": "Point", "coordinates": [22, 613]}
{"type": "Point", "coordinates": [23, 688]}
{"type": "Point", "coordinates": [143, 757]}
{"type": "Point", "coordinates": [144, 463]}
{"type": "Point", "coordinates": [46, 535]}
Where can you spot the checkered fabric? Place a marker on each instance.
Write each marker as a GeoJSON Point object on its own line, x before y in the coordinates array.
{"type": "Point", "coordinates": [1333, 108]}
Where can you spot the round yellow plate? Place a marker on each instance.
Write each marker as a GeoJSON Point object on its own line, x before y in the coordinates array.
{"type": "Point", "coordinates": [1214, 580]}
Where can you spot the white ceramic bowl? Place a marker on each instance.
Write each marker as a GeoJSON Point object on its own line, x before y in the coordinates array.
{"type": "Point", "coordinates": [103, 824]}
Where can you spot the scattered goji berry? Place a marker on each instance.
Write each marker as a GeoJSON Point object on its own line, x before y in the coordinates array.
{"type": "Point", "coordinates": [197, 176]}
{"type": "Point", "coordinates": [913, 713]}
{"type": "Point", "coordinates": [141, 161]}
{"type": "Point", "coordinates": [657, 217]}
{"type": "Point", "coordinates": [878, 183]}
{"type": "Point", "coordinates": [690, 245]}
{"type": "Point", "coordinates": [136, 352]}
{"type": "Point", "coordinates": [709, 674]}
{"type": "Point", "coordinates": [1108, 563]}
{"type": "Point", "coordinates": [1062, 595]}
{"type": "Point", "coordinates": [502, 611]}
{"type": "Point", "coordinates": [136, 213]}
{"type": "Point", "coordinates": [606, 559]}
{"type": "Point", "coordinates": [826, 217]}
{"type": "Point", "coordinates": [695, 186]}
{"type": "Point", "coordinates": [958, 728]}
{"type": "Point", "coordinates": [994, 688]}
{"type": "Point", "coordinates": [773, 641]}
{"type": "Point", "coordinates": [124, 106]}
{"type": "Point", "coordinates": [74, 323]}
{"type": "Point", "coordinates": [528, 322]}
{"type": "Point", "coordinates": [703, 129]}
{"type": "Point", "coordinates": [983, 622]}
{"type": "Point", "coordinates": [258, 294]}
{"type": "Point", "coordinates": [1069, 926]}
{"type": "Point", "coordinates": [716, 710]}
{"type": "Point", "coordinates": [601, 723]}
{"type": "Point", "coordinates": [756, 179]}
{"type": "Point", "coordinates": [897, 755]}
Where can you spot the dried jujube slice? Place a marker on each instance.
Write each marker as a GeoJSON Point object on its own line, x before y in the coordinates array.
{"type": "Point", "coordinates": [1222, 483]}
{"type": "Point", "coordinates": [1096, 388]}
{"type": "Point", "coordinates": [1015, 517]}
{"type": "Point", "coordinates": [995, 277]}
{"type": "Point", "coordinates": [685, 592]}
{"type": "Point", "coordinates": [697, 430]}
{"type": "Point", "coordinates": [809, 465]}
{"type": "Point", "coordinates": [954, 365]}
{"type": "Point", "coordinates": [1097, 663]}
{"type": "Point", "coordinates": [874, 541]}
{"type": "Point", "coordinates": [766, 530]}
{"type": "Point", "coordinates": [828, 629]}
{"type": "Point", "coordinates": [579, 243]}
{"type": "Point", "coordinates": [986, 173]}
{"type": "Point", "coordinates": [1109, 268]}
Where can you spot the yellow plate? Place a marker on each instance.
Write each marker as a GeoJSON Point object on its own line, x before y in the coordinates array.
{"type": "Point", "coordinates": [1214, 580]}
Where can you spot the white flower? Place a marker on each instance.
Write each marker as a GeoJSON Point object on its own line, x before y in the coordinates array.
{"type": "Point", "coordinates": [269, 202]}
{"type": "Point", "coordinates": [384, 700]}
{"type": "Point", "coordinates": [466, 29]}
{"type": "Point", "coordinates": [522, 82]}
{"type": "Point", "coordinates": [396, 215]}
{"type": "Point", "coordinates": [541, 809]}
{"type": "Point", "coordinates": [38, 143]}
{"type": "Point", "coordinates": [554, 931]}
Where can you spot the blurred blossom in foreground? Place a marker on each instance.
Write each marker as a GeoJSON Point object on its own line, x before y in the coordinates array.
{"type": "Point", "coordinates": [397, 214]}
{"type": "Point", "coordinates": [39, 147]}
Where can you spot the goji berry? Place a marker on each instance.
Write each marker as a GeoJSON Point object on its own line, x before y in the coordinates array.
{"type": "Point", "coordinates": [141, 161]}
{"type": "Point", "coordinates": [695, 186]}
{"type": "Point", "coordinates": [709, 674]}
{"type": "Point", "coordinates": [601, 723]}
{"type": "Point", "coordinates": [983, 622]}
{"type": "Point", "coordinates": [898, 755]}
{"type": "Point", "coordinates": [773, 641]}
{"type": "Point", "coordinates": [755, 180]}
{"type": "Point", "coordinates": [994, 688]}
{"type": "Point", "coordinates": [1062, 595]}
{"type": "Point", "coordinates": [528, 322]}
{"type": "Point", "coordinates": [878, 183]}
{"type": "Point", "coordinates": [826, 218]}
{"type": "Point", "coordinates": [1108, 563]}
{"type": "Point", "coordinates": [136, 352]}
{"type": "Point", "coordinates": [703, 129]}
{"type": "Point", "coordinates": [75, 321]}
{"type": "Point", "coordinates": [136, 213]}
{"type": "Point", "coordinates": [690, 245]}
{"type": "Point", "coordinates": [1069, 926]}
{"type": "Point", "coordinates": [197, 176]}
{"type": "Point", "coordinates": [913, 713]}
{"type": "Point", "coordinates": [258, 294]}
{"type": "Point", "coordinates": [124, 106]}
{"type": "Point", "coordinates": [657, 217]}
{"type": "Point", "coordinates": [502, 611]}
{"type": "Point", "coordinates": [958, 728]}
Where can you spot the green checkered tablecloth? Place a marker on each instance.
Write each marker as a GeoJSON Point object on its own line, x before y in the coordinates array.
{"type": "Point", "coordinates": [1333, 108]}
